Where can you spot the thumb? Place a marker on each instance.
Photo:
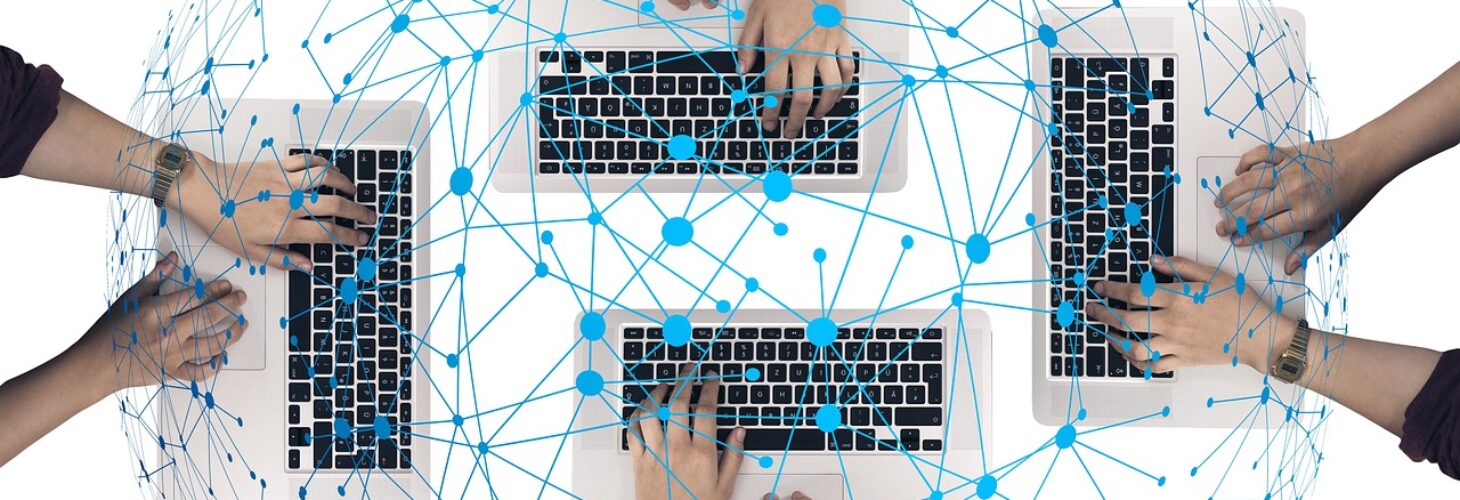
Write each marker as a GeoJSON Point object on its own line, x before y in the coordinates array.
{"type": "Point", "coordinates": [730, 461]}
{"type": "Point", "coordinates": [1312, 241]}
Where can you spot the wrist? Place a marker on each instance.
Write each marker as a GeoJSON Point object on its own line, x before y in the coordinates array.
{"type": "Point", "coordinates": [1259, 351]}
{"type": "Point", "coordinates": [89, 369]}
{"type": "Point", "coordinates": [189, 176]}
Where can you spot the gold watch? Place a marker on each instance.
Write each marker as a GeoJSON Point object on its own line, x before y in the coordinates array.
{"type": "Point", "coordinates": [169, 163]}
{"type": "Point", "coordinates": [1290, 365]}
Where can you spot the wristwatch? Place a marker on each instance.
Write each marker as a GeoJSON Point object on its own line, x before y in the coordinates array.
{"type": "Point", "coordinates": [1290, 365]}
{"type": "Point", "coordinates": [169, 163]}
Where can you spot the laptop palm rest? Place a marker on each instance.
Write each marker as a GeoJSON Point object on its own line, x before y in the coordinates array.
{"type": "Point", "coordinates": [816, 486]}
{"type": "Point", "coordinates": [209, 264]}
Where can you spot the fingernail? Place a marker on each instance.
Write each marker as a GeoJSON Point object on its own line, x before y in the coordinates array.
{"type": "Point", "coordinates": [712, 374]}
{"type": "Point", "coordinates": [243, 296]}
{"type": "Point", "coordinates": [222, 287]}
{"type": "Point", "coordinates": [738, 433]}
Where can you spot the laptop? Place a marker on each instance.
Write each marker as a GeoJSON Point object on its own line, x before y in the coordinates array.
{"type": "Point", "coordinates": [632, 98]}
{"type": "Point", "coordinates": [861, 404]}
{"type": "Point", "coordinates": [325, 395]}
{"type": "Point", "coordinates": [1127, 95]}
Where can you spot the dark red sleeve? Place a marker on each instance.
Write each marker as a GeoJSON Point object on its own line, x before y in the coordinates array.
{"type": "Point", "coordinates": [1432, 421]}
{"type": "Point", "coordinates": [28, 99]}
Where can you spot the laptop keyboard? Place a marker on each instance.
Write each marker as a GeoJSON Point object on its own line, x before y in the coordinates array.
{"type": "Point", "coordinates": [612, 112]}
{"type": "Point", "coordinates": [888, 382]}
{"type": "Point", "coordinates": [351, 358]}
{"type": "Point", "coordinates": [1117, 121]}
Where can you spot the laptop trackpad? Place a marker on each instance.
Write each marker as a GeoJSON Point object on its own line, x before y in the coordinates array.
{"type": "Point", "coordinates": [1211, 249]}
{"type": "Point", "coordinates": [698, 16]}
{"type": "Point", "coordinates": [213, 262]}
{"type": "Point", "coordinates": [816, 486]}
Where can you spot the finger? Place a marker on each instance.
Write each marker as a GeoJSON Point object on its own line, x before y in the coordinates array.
{"type": "Point", "coordinates": [682, 4]}
{"type": "Point", "coordinates": [152, 282]}
{"type": "Point", "coordinates": [213, 345]}
{"type": "Point", "coordinates": [320, 231]}
{"type": "Point", "coordinates": [775, 84]}
{"type": "Point", "coordinates": [1131, 293]}
{"type": "Point", "coordinates": [206, 319]}
{"type": "Point", "coordinates": [706, 411]}
{"type": "Point", "coordinates": [302, 161]}
{"type": "Point", "coordinates": [651, 428]}
{"type": "Point", "coordinates": [319, 176]}
{"type": "Point", "coordinates": [199, 372]}
{"type": "Point", "coordinates": [636, 433]}
{"type": "Point", "coordinates": [771, 496]}
{"type": "Point", "coordinates": [1184, 268]}
{"type": "Point", "coordinates": [846, 63]}
{"type": "Point", "coordinates": [710, 4]}
{"type": "Point", "coordinates": [1164, 365]}
{"type": "Point", "coordinates": [803, 77]}
{"type": "Point", "coordinates": [339, 206]}
{"type": "Point", "coordinates": [730, 461]}
{"type": "Point", "coordinates": [1262, 179]}
{"type": "Point", "coordinates": [750, 36]}
{"type": "Point", "coordinates": [1131, 321]}
{"type": "Point", "coordinates": [1259, 155]}
{"type": "Point", "coordinates": [831, 85]}
{"type": "Point", "coordinates": [282, 258]}
{"type": "Point", "coordinates": [1312, 241]}
{"type": "Point", "coordinates": [797, 495]}
{"type": "Point", "coordinates": [180, 302]}
{"type": "Point", "coordinates": [1277, 226]}
{"type": "Point", "coordinates": [678, 432]}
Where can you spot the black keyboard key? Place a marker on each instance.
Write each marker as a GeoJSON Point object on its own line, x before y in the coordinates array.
{"type": "Point", "coordinates": [798, 439]}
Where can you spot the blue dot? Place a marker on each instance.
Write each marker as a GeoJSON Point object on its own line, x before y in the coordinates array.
{"type": "Point", "coordinates": [1065, 314]}
{"type": "Point", "coordinates": [1029, 85]}
{"type": "Point", "coordinates": [560, 37]}
{"type": "Point", "coordinates": [595, 218]}
{"type": "Point", "coordinates": [1241, 225]}
{"type": "Point", "coordinates": [349, 290]}
{"type": "Point", "coordinates": [592, 326]}
{"type": "Point", "coordinates": [677, 231]}
{"type": "Point", "coordinates": [828, 418]}
{"type": "Point", "coordinates": [400, 23]}
{"type": "Point", "coordinates": [1240, 285]}
{"type": "Point", "coordinates": [752, 374]}
{"type": "Point", "coordinates": [941, 71]}
{"type": "Point", "coordinates": [722, 306]}
{"type": "Point", "coordinates": [827, 15]}
{"type": "Point", "coordinates": [461, 181]}
{"type": "Point", "coordinates": [738, 96]}
{"type": "Point", "coordinates": [737, 14]}
{"type": "Point", "coordinates": [1148, 284]}
{"type": "Point", "coordinates": [647, 6]}
{"type": "Point", "coordinates": [1029, 219]}
{"type": "Point", "coordinates": [681, 147]}
{"type": "Point", "coordinates": [1048, 36]}
{"type": "Point", "coordinates": [525, 99]}
{"type": "Point", "coordinates": [460, 270]}
{"type": "Point", "coordinates": [228, 208]}
{"type": "Point", "coordinates": [987, 486]}
{"type": "Point", "coordinates": [1161, 481]}
{"type": "Point", "coordinates": [819, 255]}
{"type": "Point", "coordinates": [1081, 415]}
{"type": "Point", "coordinates": [663, 414]}
{"type": "Point", "coordinates": [766, 462]}
{"type": "Point", "coordinates": [208, 400]}
{"type": "Point", "coordinates": [821, 331]}
{"type": "Point", "coordinates": [482, 447]}
{"type": "Point", "coordinates": [771, 101]}
{"type": "Point", "coordinates": [382, 427]}
{"type": "Point", "coordinates": [1079, 278]}
{"type": "Point", "coordinates": [1133, 214]}
{"type": "Point", "coordinates": [907, 242]}
{"type": "Point", "coordinates": [909, 80]}
{"type": "Point", "coordinates": [452, 360]}
{"type": "Point", "coordinates": [296, 199]}
{"type": "Point", "coordinates": [540, 270]}
{"type": "Point", "coordinates": [780, 229]}
{"type": "Point", "coordinates": [676, 330]}
{"type": "Point", "coordinates": [342, 428]}
{"type": "Point", "coordinates": [977, 248]}
{"type": "Point", "coordinates": [457, 420]}
{"type": "Point", "coordinates": [547, 237]}
{"type": "Point", "coordinates": [777, 185]}
{"type": "Point", "coordinates": [752, 284]}
{"type": "Point", "coordinates": [590, 383]}
{"type": "Point", "coordinates": [1266, 394]}
{"type": "Point", "coordinates": [365, 270]}
{"type": "Point", "coordinates": [956, 299]}
{"type": "Point", "coordinates": [952, 31]}
{"type": "Point", "coordinates": [1065, 437]}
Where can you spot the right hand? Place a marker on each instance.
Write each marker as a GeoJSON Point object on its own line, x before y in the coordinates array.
{"type": "Point", "coordinates": [672, 457]}
{"type": "Point", "coordinates": [780, 24]}
{"type": "Point", "coordinates": [1314, 190]}
{"type": "Point", "coordinates": [149, 338]}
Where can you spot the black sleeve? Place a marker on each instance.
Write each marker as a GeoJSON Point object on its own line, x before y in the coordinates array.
{"type": "Point", "coordinates": [28, 99]}
{"type": "Point", "coordinates": [1432, 421]}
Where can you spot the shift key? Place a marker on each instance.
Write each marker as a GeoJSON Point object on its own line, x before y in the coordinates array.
{"type": "Point", "coordinates": [922, 417]}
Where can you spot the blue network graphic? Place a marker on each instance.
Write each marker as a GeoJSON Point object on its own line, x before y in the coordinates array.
{"type": "Point", "coordinates": [530, 272]}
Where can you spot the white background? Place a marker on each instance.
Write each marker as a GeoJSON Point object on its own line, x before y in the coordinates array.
{"type": "Point", "coordinates": [1366, 58]}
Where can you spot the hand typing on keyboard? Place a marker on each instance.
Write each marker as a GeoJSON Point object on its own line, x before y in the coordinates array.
{"type": "Point", "coordinates": [810, 49]}
{"type": "Point", "coordinates": [686, 440]}
{"type": "Point", "coordinates": [270, 205]}
{"type": "Point", "coordinates": [1191, 329]}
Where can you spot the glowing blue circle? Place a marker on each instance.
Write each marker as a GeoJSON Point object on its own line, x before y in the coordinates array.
{"type": "Point", "coordinates": [681, 147]}
{"type": "Point", "coordinates": [676, 330]}
{"type": "Point", "coordinates": [1065, 314]}
{"type": "Point", "coordinates": [828, 418]}
{"type": "Point", "coordinates": [461, 181]}
{"type": "Point", "coordinates": [826, 15]}
{"type": "Point", "coordinates": [400, 23]}
{"type": "Point", "coordinates": [1048, 36]}
{"type": "Point", "coordinates": [1065, 437]}
{"type": "Point", "coordinates": [987, 486]}
{"type": "Point", "coordinates": [592, 326]}
{"type": "Point", "coordinates": [590, 383]}
{"type": "Point", "coordinates": [977, 248]}
{"type": "Point", "coordinates": [677, 231]}
{"type": "Point", "coordinates": [777, 185]}
{"type": "Point", "coordinates": [821, 331]}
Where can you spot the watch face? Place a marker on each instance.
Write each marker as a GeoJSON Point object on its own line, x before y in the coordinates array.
{"type": "Point", "coordinates": [1288, 367]}
{"type": "Point", "coordinates": [172, 156]}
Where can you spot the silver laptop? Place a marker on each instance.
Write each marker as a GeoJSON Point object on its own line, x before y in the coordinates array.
{"type": "Point", "coordinates": [1130, 90]}
{"type": "Point", "coordinates": [656, 102]}
{"type": "Point", "coordinates": [325, 394]}
{"type": "Point", "coordinates": [908, 393]}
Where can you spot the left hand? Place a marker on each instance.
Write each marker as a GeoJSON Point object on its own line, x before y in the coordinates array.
{"type": "Point", "coordinates": [260, 231]}
{"type": "Point", "coordinates": [1208, 327]}
{"type": "Point", "coordinates": [673, 458]}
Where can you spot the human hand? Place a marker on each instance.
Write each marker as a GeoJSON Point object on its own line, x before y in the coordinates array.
{"type": "Point", "coordinates": [1205, 328]}
{"type": "Point", "coordinates": [686, 4]}
{"type": "Point", "coordinates": [809, 49]}
{"type": "Point", "coordinates": [672, 461]}
{"type": "Point", "coordinates": [148, 338]}
{"type": "Point", "coordinates": [261, 230]}
{"type": "Point", "coordinates": [794, 496]}
{"type": "Point", "coordinates": [1314, 189]}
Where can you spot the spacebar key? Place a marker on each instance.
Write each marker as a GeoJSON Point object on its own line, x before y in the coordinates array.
{"type": "Point", "coordinates": [777, 439]}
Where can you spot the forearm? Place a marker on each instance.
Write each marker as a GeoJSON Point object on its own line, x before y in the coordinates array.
{"type": "Point", "coordinates": [1375, 379]}
{"type": "Point", "coordinates": [1421, 126]}
{"type": "Point", "coordinates": [36, 402]}
{"type": "Point", "coordinates": [86, 147]}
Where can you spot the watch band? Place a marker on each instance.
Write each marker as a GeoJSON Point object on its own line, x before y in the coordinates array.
{"type": "Point", "coordinates": [1289, 366]}
{"type": "Point", "coordinates": [169, 163]}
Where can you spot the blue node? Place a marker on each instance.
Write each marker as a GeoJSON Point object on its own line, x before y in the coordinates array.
{"type": "Point", "coordinates": [590, 383]}
{"type": "Point", "coordinates": [987, 486]}
{"type": "Point", "coordinates": [780, 229]}
{"type": "Point", "coordinates": [777, 185]}
{"type": "Point", "coordinates": [647, 7]}
{"type": "Point", "coordinates": [541, 270]}
{"type": "Point", "coordinates": [1081, 415]}
{"type": "Point", "coordinates": [1252, 59]}
{"type": "Point", "coordinates": [452, 360]}
{"type": "Point", "coordinates": [941, 71]}
{"type": "Point", "coordinates": [525, 99]}
{"type": "Point", "coordinates": [737, 14]}
{"type": "Point", "coordinates": [265, 195]}
{"type": "Point", "coordinates": [1193, 472]}
{"type": "Point", "coordinates": [936, 495]}
{"type": "Point", "coordinates": [382, 427]}
{"type": "Point", "coordinates": [956, 299]}
{"type": "Point", "coordinates": [738, 96]}
{"type": "Point", "coordinates": [400, 23]}
{"type": "Point", "coordinates": [592, 326]}
{"type": "Point", "coordinates": [560, 37]}
{"type": "Point", "coordinates": [457, 420]}
{"type": "Point", "coordinates": [1029, 219]}
{"type": "Point", "coordinates": [460, 270]}
{"type": "Point", "coordinates": [977, 248]}
{"type": "Point", "coordinates": [482, 447]}
{"type": "Point", "coordinates": [461, 181]}
{"type": "Point", "coordinates": [722, 306]}
{"type": "Point", "coordinates": [828, 418]}
{"type": "Point", "coordinates": [907, 242]}
{"type": "Point", "coordinates": [208, 400]}
{"type": "Point", "coordinates": [342, 428]}
{"type": "Point", "coordinates": [365, 270]}
{"type": "Point", "coordinates": [349, 290]}
{"type": "Point", "coordinates": [1165, 411]}
{"type": "Point", "coordinates": [827, 15]}
{"type": "Point", "coordinates": [752, 375]}
{"type": "Point", "coordinates": [676, 330]}
{"type": "Point", "coordinates": [663, 413]}
{"type": "Point", "coordinates": [1241, 286]}
{"type": "Point", "coordinates": [821, 331]}
{"type": "Point", "coordinates": [547, 237]}
{"type": "Point", "coordinates": [1133, 214]}
{"type": "Point", "coordinates": [677, 231]}
{"type": "Point", "coordinates": [952, 31]}
{"type": "Point", "coordinates": [819, 255]}
{"type": "Point", "coordinates": [1266, 394]}
{"type": "Point", "coordinates": [445, 60]}
{"type": "Point", "coordinates": [296, 199]}
{"type": "Point", "coordinates": [1261, 104]}
{"type": "Point", "coordinates": [752, 284]}
{"type": "Point", "coordinates": [1048, 36]}
{"type": "Point", "coordinates": [1029, 85]}
{"type": "Point", "coordinates": [1065, 314]}
{"type": "Point", "coordinates": [909, 80]}
{"type": "Point", "coordinates": [766, 462]}
{"type": "Point", "coordinates": [198, 288]}
{"type": "Point", "coordinates": [595, 218]}
{"type": "Point", "coordinates": [1103, 202]}
{"type": "Point", "coordinates": [1065, 437]}
{"type": "Point", "coordinates": [1210, 402]}
{"type": "Point", "coordinates": [771, 101]}
{"type": "Point", "coordinates": [1080, 278]}
{"type": "Point", "coordinates": [1161, 481]}
{"type": "Point", "coordinates": [1241, 225]}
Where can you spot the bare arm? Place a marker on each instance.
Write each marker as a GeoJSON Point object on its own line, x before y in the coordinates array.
{"type": "Point", "coordinates": [81, 147]}
{"type": "Point", "coordinates": [1374, 379]}
{"type": "Point", "coordinates": [29, 404]}
{"type": "Point", "coordinates": [1419, 127]}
